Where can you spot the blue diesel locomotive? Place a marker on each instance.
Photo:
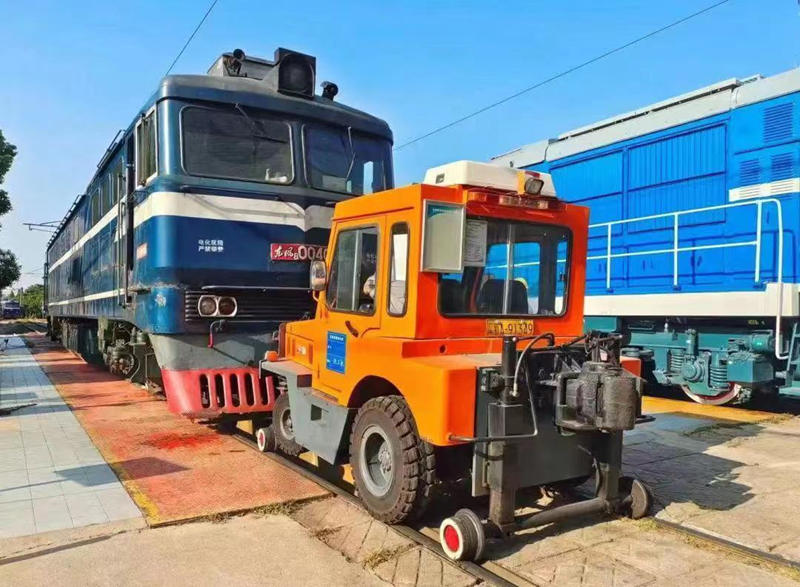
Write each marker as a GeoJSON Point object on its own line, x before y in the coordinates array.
{"type": "Point", "coordinates": [693, 250]}
{"type": "Point", "coordinates": [192, 242]}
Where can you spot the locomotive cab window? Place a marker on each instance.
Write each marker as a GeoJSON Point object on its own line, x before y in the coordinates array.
{"type": "Point", "coordinates": [242, 143]}
{"type": "Point", "coordinates": [524, 273]}
{"type": "Point", "coordinates": [346, 161]}
{"type": "Point", "coordinates": [353, 281]}
{"type": "Point", "coordinates": [146, 167]}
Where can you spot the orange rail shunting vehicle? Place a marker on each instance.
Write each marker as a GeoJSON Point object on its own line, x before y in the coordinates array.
{"type": "Point", "coordinates": [447, 345]}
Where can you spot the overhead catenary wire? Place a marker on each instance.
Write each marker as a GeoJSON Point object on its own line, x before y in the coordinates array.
{"type": "Point", "coordinates": [561, 74]}
{"type": "Point", "coordinates": [194, 32]}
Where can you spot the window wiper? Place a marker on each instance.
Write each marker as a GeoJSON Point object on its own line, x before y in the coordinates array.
{"type": "Point", "coordinates": [254, 130]}
{"type": "Point", "coordinates": [352, 154]}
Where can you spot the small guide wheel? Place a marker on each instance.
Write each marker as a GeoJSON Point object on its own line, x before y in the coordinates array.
{"type": "Point", "coordinates": [265, 439]}
{"type": "Point", "coordinates": [462, 536]}
{"type": "Point", "coordinates": [641, 500]}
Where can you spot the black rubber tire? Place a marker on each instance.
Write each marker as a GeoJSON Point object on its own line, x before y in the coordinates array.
{"type": "Point", "coordinates": [641, 497]}
{"type": "Point", "coordinates": [411, 487]}
{"type": "Point", "coordinates": [265, 439]}
{"type": "Point", "coordinates": [479, 532]}
{"type": "Point", "coordinates": [284, 436]}
{"type": "Point", "coordinates": [470, 537]}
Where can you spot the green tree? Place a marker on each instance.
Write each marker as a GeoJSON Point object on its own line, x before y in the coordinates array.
{"type": "Point", "coordinates": [9, 267]}
{"type": "Point", "coordinates": [32, 300]}
{"type": "Point", "coordinates": [7, 154]}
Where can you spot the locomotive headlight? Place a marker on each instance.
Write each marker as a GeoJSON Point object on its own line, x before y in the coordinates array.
{"type": "Point", "coordinates": [207, 305]}
{"type": "Point", "coordinates": [226, 306]}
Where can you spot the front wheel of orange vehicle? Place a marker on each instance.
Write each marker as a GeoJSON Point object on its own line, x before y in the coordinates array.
{"type": "Point", "coordinates": [393, 467]}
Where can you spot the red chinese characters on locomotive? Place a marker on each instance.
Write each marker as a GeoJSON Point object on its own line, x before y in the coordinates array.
{"type": "Point", "coordinates": [297, 252]}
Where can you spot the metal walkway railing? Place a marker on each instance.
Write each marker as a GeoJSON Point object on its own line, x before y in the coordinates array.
{"type": "Point", "coordinates": [675, 250]}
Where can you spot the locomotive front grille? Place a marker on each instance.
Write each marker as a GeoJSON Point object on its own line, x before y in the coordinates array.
{"type": "Point", "coordinates": [278, 305]}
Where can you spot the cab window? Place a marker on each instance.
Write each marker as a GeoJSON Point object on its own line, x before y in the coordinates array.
{"type": "Point", "coordinates": [146, 148]}
{"type": "Point", "coordinates": [398, 270]}
{"type": "Point", "coordinates": [352, 284]}
{"type": "Point", "coordinates": [524, 273]}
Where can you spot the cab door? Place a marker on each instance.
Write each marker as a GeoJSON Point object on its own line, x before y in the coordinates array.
{"type": "Point", "coordinates": [352, 304]}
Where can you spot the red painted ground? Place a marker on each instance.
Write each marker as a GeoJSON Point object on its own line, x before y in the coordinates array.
{"type": "Point", "coordinates": [174, 469]}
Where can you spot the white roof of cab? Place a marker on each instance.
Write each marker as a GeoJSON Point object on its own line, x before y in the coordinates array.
{"type": "Point", "coordinates": [476, 173]}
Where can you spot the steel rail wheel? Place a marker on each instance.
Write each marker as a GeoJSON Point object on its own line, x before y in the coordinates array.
{"type": "Point", "coordinates": [714, 400]}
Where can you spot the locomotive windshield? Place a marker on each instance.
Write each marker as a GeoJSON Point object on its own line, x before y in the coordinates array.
{"type": "Point", "coordinates": [523, 271]}
{"type": "Point", "coordinates": [236, 144]}
{"type": "Point", "coordinates": [344, 160]}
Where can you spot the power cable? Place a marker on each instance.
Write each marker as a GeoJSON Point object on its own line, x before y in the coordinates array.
{"type": "Point", "coordinates": [561, 74]}
{"type": "Point", "coordinates": [194, 32]}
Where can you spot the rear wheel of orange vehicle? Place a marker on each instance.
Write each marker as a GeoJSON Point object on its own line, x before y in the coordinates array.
{"type": "Point", "coordinates": [393, 469]}
{"type": "Point", "coordinates": [283, 427]}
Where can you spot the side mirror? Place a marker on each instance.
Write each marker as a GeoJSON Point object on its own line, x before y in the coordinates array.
{"type": "Point", "coordinates": [318, 275]}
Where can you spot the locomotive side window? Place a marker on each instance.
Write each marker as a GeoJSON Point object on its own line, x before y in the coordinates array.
{"type": "Point", "coordinates": [236, 144]}
{"type": "Point", "coordinates": [352, 284]}
{"type": "Point", "coordinates": [95, 212]}
{"type": "Point", "coordinates": [146, 148]}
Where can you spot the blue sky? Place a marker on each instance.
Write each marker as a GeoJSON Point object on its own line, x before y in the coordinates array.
{"type": "Point", "coordinates": [76, 72]}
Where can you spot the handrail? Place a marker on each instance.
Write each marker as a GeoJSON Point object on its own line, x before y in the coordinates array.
{"type": "Point", "coordinates": [676, 249]}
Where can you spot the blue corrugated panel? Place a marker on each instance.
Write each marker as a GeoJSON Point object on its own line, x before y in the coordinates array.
{"type": "Point", "coordinates": [686, 167]}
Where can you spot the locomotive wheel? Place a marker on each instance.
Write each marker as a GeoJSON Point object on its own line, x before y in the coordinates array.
{"type": "Point", "coordinates": [283, 428]}
{"type": "Point", "coordinates": [265, 439]}
{"type": "Point", "coordinates": [714, 400]}
{"type": "Point", "coordinates": [392, 467]}
{"type": "Point", "coordinates": [641, 498]}
{"type": "Point", "coordinates": [462, 536]}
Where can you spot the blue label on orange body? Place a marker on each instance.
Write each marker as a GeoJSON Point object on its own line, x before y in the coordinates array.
{"type": "Point", "coordinates": [337, 352]}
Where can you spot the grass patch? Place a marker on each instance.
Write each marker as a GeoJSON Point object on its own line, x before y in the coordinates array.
{"type": "Point", "coordinates": [736, 426]}
{"type": "Point", "coordinates": [378, 557]}
{"type": "Point", "coordinates": [324, 533]}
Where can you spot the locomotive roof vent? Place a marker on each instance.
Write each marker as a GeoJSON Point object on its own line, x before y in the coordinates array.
{"type": "Point", "coordinates": [289, 73]}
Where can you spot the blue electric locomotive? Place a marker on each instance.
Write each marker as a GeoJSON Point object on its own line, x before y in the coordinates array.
{"type": "Point", "coordinates": [693, 250]}
{"type": "Point", "coordinates": [192, 242]}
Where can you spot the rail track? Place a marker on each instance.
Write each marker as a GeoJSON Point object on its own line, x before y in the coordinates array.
{"type": "Point", "coordinates": [496, 574]}
{"type": "Point", "coordinates": [487, 571]}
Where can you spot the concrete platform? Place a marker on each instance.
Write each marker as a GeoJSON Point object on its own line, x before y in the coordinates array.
{"type": "Point", "coordinates": [174, 469]}
{"type": "Point", "coordinates": [249, 550]}
{"type": "Point", "coordinates": [51, 475]}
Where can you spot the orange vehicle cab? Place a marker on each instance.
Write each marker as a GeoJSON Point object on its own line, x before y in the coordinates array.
{"type": "Point", "coordinates": [422, 288]}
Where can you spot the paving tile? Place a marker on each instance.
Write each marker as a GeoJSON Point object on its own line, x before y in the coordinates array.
{"type": "Point", "coordinates": [14, 486]}
{"type": "Point", "coordinates": [658, 554]}
{"type": "Point", "coordinates": [16, 519]}
{"type": "Point", "coordinates": [85, 509]}
{"type": "Point", "coordinates": [10, 439]}
{"type": "Point", "coordinates": [51, 513]}
{"type": "Point", "coordinates": [726, 574]}
{"type": "Point", "coordinates": [37, 457]}
{"type": "Point", "coordinates": [31, 438]}
{"type": "Point", "coordinates": [117, 504]}
{"type": "Point", "coordinates": [44, 482]}
{"type": "Point", "coordinates": [581, 567]}
{"type": "Point", "coordinates": [11, 459]}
